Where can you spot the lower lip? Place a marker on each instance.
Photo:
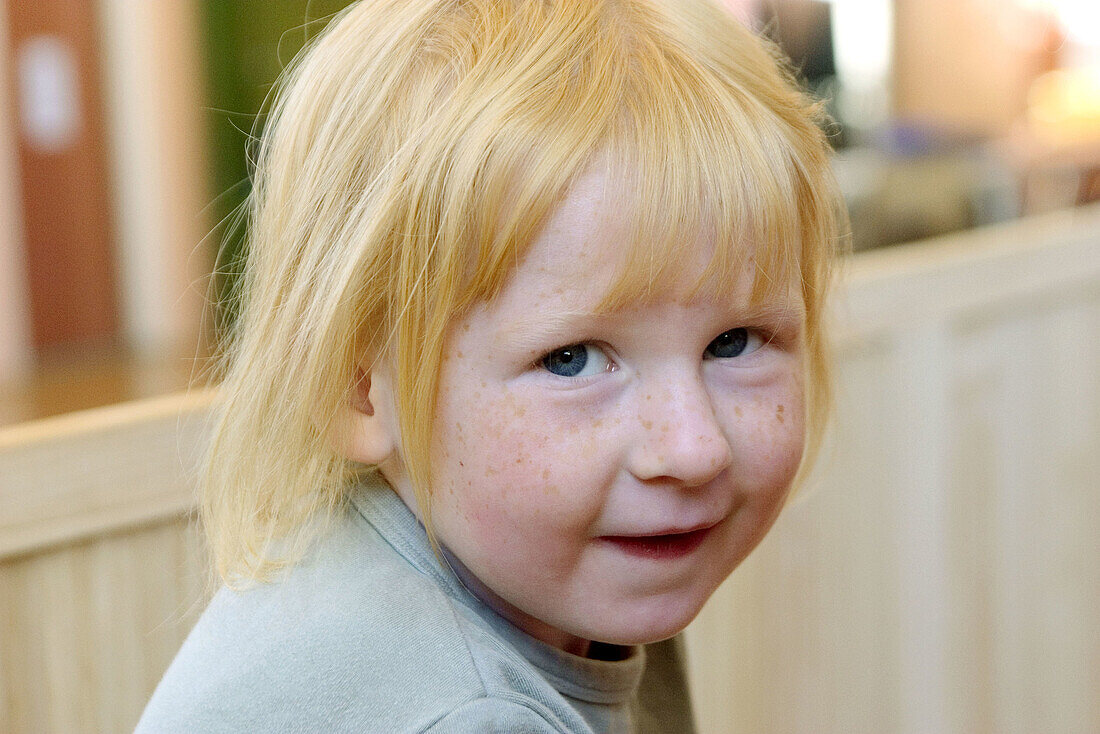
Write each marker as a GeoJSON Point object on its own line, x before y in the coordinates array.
{"type": "Point", "coordinates": [659, 547]}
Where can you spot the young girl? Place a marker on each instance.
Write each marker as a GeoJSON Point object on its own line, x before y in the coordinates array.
{"type": "Point", "coordinates": [529, 358]}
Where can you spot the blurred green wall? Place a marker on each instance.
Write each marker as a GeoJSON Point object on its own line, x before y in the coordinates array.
{"type": "Point", "coordinates": [247, 44]}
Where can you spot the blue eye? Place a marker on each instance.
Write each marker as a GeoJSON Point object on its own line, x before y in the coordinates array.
{"type": "Point", "coordinates": [733, 343]}
{"type": "Point", "coordinates": [576, 360]}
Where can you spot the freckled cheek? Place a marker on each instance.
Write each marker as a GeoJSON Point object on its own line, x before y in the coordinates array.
{"type": "Point", "coordinates": [788, 442]}
{"type": "Point", "coordinates": [511, 453]}
{"type": "Point", "coordinates": [767, 433]}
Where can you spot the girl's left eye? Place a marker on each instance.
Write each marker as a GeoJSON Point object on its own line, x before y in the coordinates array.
{"type": "Point", "coordinates": [734, 343]}
{"type": "Point", "coordinates": [577, 360]}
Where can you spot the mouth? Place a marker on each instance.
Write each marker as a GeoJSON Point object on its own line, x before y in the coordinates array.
{"type": "Point", "coordinates": [666, 546]}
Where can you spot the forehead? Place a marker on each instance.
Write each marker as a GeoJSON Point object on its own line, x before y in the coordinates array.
{"type": "Point", "coordinates": [582, 237]}
{"type": "Point", "coordinates": [591, 251]}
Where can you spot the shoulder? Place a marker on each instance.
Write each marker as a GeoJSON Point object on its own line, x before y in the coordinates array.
{"type": "Point", "coordinates": [355, 636]}
{"type": "Point", "coordinates": [354, 639]}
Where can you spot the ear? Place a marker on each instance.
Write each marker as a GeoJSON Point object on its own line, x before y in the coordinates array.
{"type": "Point", "coordinates": [368, 433]}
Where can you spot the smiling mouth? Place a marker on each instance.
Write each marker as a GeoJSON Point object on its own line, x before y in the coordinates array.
{"type": "Point", "coordinates": [659, 547]}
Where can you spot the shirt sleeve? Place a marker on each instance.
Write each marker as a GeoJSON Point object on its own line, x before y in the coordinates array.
{"type": "Point", "coordinates": [488, 715]}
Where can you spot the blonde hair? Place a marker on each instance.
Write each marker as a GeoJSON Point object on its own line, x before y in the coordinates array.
{"type": "Point", "coordinates": [414, 151]}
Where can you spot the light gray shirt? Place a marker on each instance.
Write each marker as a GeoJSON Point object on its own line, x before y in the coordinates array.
{"type": "Point", "coordinates": [370, 634]}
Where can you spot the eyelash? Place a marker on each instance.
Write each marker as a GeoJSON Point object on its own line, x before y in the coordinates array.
{"type": "Point", "coordinates": [545, 360]}
{"type": "Point", "coordinates": [749, 336]}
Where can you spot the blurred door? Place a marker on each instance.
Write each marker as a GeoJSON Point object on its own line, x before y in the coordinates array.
{"type": "Point", "coordinates": [63, 171]}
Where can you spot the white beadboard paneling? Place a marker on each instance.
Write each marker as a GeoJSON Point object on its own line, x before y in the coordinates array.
{"type": "Point", "coordinates": [804, 635]}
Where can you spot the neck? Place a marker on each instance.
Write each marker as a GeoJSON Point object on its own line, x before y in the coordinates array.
{"type": "Point", "coordinates": [536, 628]}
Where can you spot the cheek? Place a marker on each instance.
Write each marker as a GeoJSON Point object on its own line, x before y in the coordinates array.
{"type": "Point", "coordinates": [767, 437]}
{"type": "Point", "coordinates": [509, 461]}
{"type": "Point", "coordinates": [769, 430]}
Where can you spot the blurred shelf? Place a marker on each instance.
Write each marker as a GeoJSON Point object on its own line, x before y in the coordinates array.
{"type": "Point", "coordinates": [91, 380]}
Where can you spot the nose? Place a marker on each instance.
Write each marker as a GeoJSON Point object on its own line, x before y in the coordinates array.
{"type": "Point", "coordinates": [680, 437]}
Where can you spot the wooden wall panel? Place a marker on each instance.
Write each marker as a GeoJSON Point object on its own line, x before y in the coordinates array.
{"type": "Point", "coordinates": [90, 628]}
{"type": "Point", "coordinates": [937, 574]}
{"type": "Point", "coordinates": [804, 629]}
{"type": "Point", "coordinates": [101, 572]}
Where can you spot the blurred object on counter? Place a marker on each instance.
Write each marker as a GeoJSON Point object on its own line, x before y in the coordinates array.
{"type": "Point", "coordinates": [842, 51]}
{"type": "Point", "coordinates": [915, 182]}
{"type": "Point", "coordinates": [960, 65]}
{"type": "Point", "coordinates": [1064, 108]}
{"type": "Point", "coordinates": [1055, 147]}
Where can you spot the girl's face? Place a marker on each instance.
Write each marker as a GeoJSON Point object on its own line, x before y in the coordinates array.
{"type": "Point", "coordinates": [597, 476]}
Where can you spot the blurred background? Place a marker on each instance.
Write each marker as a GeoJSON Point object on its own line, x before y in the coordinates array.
{"type": "Point", "coordinates": [939, 573]}
{"type": "Point", "coordinates": [125, 126]}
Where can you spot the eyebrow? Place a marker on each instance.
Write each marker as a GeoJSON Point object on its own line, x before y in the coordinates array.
{"type": "Point", "coordinates": [783, 313]}
{"type": "Point", "coordinates": [535, 334]}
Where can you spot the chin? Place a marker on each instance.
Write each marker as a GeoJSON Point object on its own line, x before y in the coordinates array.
{"type": "Point", "coordinates": [653, 622]}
